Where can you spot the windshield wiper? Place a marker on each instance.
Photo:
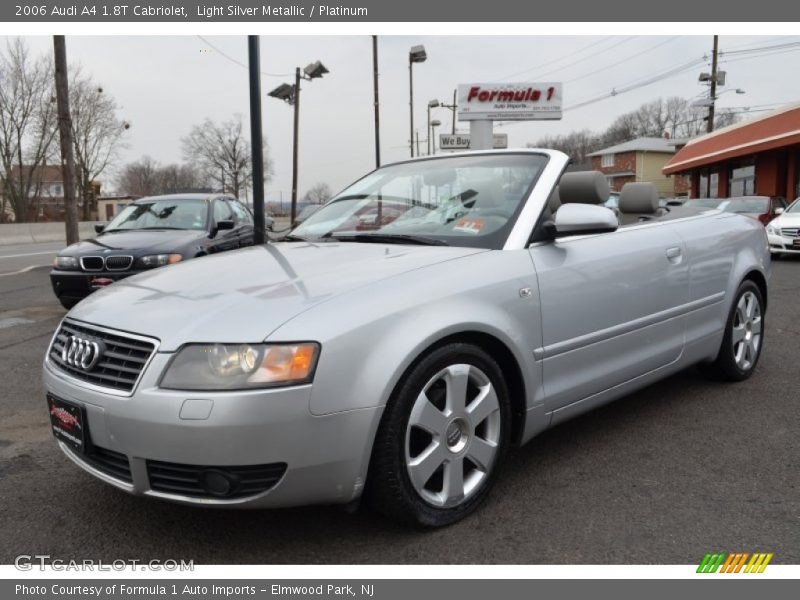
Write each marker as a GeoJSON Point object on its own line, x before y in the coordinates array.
{"type": "Point", "coordinates": [292, 238]}
{"type": "Point", "coordinates": [163, 227]}
{"type": "Point", "coordinates": [390, 238]}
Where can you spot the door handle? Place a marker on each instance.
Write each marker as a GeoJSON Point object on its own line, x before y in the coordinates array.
{"type": "Point", "coordinates": [674, 254]}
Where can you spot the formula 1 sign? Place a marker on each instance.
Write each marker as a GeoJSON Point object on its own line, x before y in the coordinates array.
{"type": "Point", "coordinates": [509, 101]}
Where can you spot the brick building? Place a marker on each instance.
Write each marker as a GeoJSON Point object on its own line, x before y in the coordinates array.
{"type": "Point", "coordinates": [757, 157]}
{"type": "Point", "coordinates": [641, 159]}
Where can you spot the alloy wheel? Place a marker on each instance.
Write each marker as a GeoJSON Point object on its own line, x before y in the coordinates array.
{"type": "Point", "coordinates": [453, 435]}
{"type": "Point", "coordinates": [746, 335]}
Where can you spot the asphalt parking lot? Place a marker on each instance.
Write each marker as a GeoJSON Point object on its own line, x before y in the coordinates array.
{"type": "Point", "coordinates": [681, 468]}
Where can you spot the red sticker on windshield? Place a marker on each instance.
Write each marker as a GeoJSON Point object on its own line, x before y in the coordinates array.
{"type": "Point", "coordinates": [469, 225]}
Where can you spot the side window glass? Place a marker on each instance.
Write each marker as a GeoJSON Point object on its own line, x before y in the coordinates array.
{"type": "Point", "coordinates": [242, 214]}
{"type": "Point", "coordinates": [222, 211]}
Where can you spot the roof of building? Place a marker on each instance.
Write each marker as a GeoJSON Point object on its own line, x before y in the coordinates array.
{"type": "Point", "coordinates": [773, 130]}
{"type": "Point", "coordinates": [643, 144]}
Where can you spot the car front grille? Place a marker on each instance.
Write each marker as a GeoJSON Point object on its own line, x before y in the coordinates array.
{"type": "Point", "coordinates": [194, 480]}
{"type": "Point", "coordinates": [109, 462]}
{"type": "Point", "coordinates": [92, 263]}
{"type": "Point", "coordinates": [122, 361]}
{"type": "Point", "coordinates": [792, 233]}
{"type": "Point", "coordinates": [119, 263]}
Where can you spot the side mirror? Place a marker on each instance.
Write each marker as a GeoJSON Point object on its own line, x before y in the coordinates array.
{"type": "Point", "coordinates": [583, 219]}
{"type": "Point", "coordinates": [778, 211]}
{"type": "Point", "coordinates": [225, 225]}
{"type": "Point", "coordinates": [99, 228]}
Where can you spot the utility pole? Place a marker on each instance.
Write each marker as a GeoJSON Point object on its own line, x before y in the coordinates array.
{"type": "Point", "coordinates": [714, 53]}
{"type": "Point", "coordinates": [293, 211]}
{"type": "Point", "coordinates": [411, 106]}
{"type": "Point", "coordinates": [377, 109]}
{"type": "Point", "coordinates": [455, 107]}
{"type": "Point", "coordinates": [256, 138]}
{"type": "Point", "coordinates": [65, 133]}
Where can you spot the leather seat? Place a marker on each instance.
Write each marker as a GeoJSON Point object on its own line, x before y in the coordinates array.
{"type": "Point", "coordinates": [638, 202]}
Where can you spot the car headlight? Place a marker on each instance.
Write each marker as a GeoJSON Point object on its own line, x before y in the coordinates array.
{"type": "Point", "coordinates": [66, 262]}
{"type": "Point", "coordinates": [159, 260]}
{"type": "Point", "coordinates": [771, 229]}
{"type": "Point", "coordinates": [240, 366]}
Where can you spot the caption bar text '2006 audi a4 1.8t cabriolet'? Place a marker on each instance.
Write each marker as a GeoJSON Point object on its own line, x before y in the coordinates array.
{"type": "Point", "coordinates": [394, 345]}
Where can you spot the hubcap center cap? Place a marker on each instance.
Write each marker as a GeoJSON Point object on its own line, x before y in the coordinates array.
{"type": "Point", "coordinates": [456, 435]}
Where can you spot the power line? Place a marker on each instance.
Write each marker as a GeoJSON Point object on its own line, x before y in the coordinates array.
{"type": "Point", "coordinates": [624, 60]}
{"type": "Point", "coordinates": [237, 62]}
{"type": "Point", "coordinates": [551, 62]}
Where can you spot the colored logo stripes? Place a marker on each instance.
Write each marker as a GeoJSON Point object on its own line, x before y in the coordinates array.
{"type": "Point", "coordinates": [734, 562]}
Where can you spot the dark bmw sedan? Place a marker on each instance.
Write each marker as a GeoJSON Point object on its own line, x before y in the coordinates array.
{"type": "Point", "coordinates": [151, 232]}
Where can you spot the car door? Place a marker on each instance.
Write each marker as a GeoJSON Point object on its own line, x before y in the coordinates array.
{"type": "Point", "coordinates": [611, 308]}
{"type": "Point", "coordinates": [226, 239]}
{"type": "Point", "coordinates": [244, 223]}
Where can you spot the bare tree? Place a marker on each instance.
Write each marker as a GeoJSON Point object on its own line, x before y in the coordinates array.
{"type": "Point", "coordinates": [27, 124]}
{"type": "Point", "coordinates": [146, 177]}
{"type": "Point", "coordinates": [141, 178]}
{"type": "Point", "coordinates": [577, 145]}
{"type": "Point", "coordinates": [97, 134]}
{"type": "Point", "coordinates": [320, 193]}
{"type": "Point", "coordinates": [222, 153]}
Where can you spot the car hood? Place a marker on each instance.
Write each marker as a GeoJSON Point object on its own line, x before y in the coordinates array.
{"type": "Point", "coordinates": [244, 295]}
{"type": "Point", "coordinates": [164, 240]}
{"type": "Point", "coordinates": [787, 220]}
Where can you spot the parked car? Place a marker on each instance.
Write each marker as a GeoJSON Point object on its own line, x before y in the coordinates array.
{"type": "Point", "coordinates": [400, 364]}
{"type": "Point", "coordinates": [150, 232]}
{"type": "Point", "coordinates": [783, 231]}
{"type": "Point", "coordinates": [761, 208]}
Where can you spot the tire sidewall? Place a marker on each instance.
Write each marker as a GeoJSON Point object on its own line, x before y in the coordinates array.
{"type": "Point", "coordinates": [726, 359]}
{"type": "Point", "coordinates": [397, 416]}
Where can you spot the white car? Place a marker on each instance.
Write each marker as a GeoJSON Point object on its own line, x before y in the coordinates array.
{"type": "Point", "coordinates": [784, 231]}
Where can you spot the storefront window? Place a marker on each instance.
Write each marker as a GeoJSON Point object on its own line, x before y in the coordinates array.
{"type": "Point", "coordinates": [702, 183]}
{"type": "Point", "coordinates": [743, 178]}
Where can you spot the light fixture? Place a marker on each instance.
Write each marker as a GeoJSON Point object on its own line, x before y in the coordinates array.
{"type": "Point", "coordinates": [417, 54]}
{"type": "Point", "coordinates": [315, 69]}
{"type": "Point", "coordinates": [284, 92]}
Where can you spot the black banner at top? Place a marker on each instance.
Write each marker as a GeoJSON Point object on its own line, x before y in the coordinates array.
{"type": "Point", "coordinates": [263, 11]}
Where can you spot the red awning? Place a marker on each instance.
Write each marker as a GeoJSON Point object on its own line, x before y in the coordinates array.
{"type": "Point", "coordinates": [775, 130]}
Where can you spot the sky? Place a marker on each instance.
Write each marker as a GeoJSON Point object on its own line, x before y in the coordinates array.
{"type": "Point", "coordinates": [165, 85]}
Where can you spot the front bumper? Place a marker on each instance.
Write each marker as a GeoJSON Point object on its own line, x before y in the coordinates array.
{"type": "Point", "coordinates": [326, 457]}
{"type": "Point", "coordinates": [76, 285]}
{"type": "Point", "coordinates": [781, 244]}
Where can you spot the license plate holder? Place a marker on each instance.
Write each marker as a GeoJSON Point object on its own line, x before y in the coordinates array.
{"type": "Point", "coordinates": [68, 422]}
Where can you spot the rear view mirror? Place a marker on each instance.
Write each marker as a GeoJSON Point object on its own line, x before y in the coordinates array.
{"type": "Point", "coordinates": [439, 177]}
{"type": "Point", "coordinates": [581, 219]}
{"type": "Point", "coordinates": [99, 228]}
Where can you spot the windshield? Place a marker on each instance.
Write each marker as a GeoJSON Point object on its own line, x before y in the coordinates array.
{"type": "Point", "coordinates": [794, 207]}
{"type": "Point", "coordinates": [460, 201]}
{"type": "Point", "coordinates": [702, 202]}
{"type": "Point", "coordinates": [753, 204]}
{"type": "Point", "coordinates": [162, 214]}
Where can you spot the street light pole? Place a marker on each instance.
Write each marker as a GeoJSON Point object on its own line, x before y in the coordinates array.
{"type": "Point", "coordinates": [375, 92]}
{"type": "Point", "coordinates": [416, 54]}
{"type": "Point", "coordinates": [293, 212]}
{"type": "Point", "coordinates": [256, 138]}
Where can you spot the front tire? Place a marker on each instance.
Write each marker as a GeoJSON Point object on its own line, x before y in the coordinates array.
{"type": "Point", "coordinates": [442, 438]}
{"type": "Point", "coordinates": [744, 335]}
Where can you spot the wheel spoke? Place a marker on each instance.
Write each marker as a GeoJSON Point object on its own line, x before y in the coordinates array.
{"type": "Point", "coordinates": [756, 325]}
{"type": "Point", "coordinates": [453, 490]}
{"type": "Point", "coordinates": [484, 405]}
{"type": "Point", "coordinates": [741, 310]}
{"type": "Point", "coordinates": [423, 466]}
{"type": "Point", "coordinates": [481, 453]}
{"type": "Point", "coordinates": [750, 302]}
{"type": "Point", "coordinates": [426, 416]}
{"type": "Point", "coordinates": [457, 378]}
{"type": "Point", "coordinates": [738, 335]}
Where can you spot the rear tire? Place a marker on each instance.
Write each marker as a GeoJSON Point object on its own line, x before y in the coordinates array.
{"type": "Point", "coordinates": [442, 438]}
{"type": "Point", "coordinates": [744, 336]}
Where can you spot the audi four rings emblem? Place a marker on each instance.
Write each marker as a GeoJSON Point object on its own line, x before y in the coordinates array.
{"type": "Point", "coordinates": [82, 353]}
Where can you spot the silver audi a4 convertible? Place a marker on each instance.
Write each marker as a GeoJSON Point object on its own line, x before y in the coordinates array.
{"type": "Point", "coordinates": [394, 345]}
